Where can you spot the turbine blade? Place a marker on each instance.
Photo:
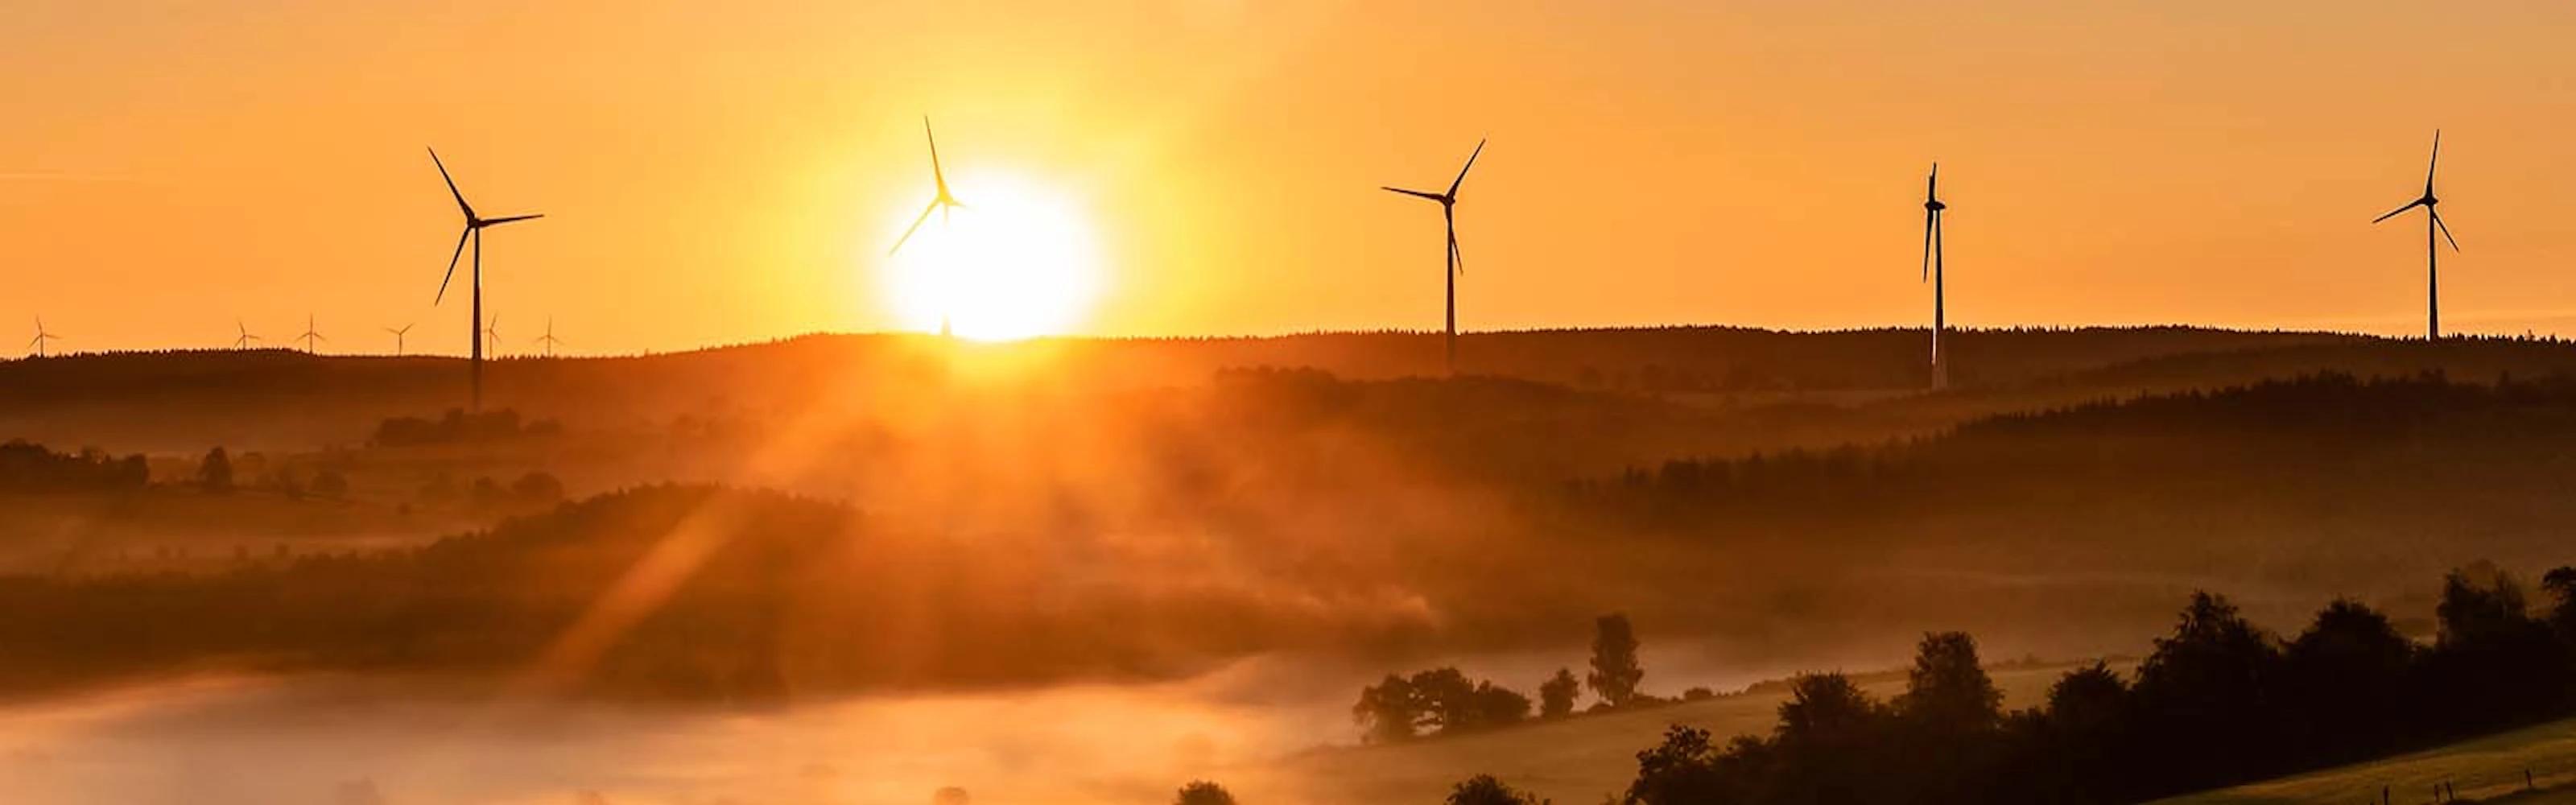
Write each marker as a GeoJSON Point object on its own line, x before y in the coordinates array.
{"type": "Point", "coordinates": [451, 185]}
{"type": "Point", "coordinates": [2446, 230]}
{"type": "Point", "coordinates": [1932, 184]}
{"type": "Point", "coordinates": [2393, 213]}
{"type": "Point", "coordinates": [936, 174]}
{"type": "Point", "coordinates": [1462, 172]}
{"type": "Point", "coordinates": [1457, 259]}
{"type": "Point", "coordinates": [1431, 196]}
{"type": "Point", "coordinates": [1929, 221]}
{"type": "Point", "coordinates": [916, 227]}
{"type": "Point", "coordinates": [2436, 161]}
{"type": "Point", "coordinates": [500, 221]}
{"type": "Point", "coordinates": [451, 265]}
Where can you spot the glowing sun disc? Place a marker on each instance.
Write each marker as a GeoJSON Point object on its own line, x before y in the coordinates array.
{"type": "Point", "coordinates": [1018, 260]}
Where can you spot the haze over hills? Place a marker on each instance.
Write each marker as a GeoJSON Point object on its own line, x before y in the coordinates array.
{"type": "Point", "coordinates": [870, 516]}
{"type": "Point", "coordinates": [187, 400]}
{"type": "Point", "coordinates": [2045, 532]}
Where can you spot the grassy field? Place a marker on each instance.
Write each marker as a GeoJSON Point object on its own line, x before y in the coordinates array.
{"type": "Point", "coordinates": [2488, 769]}
{"type": "Point", "coordinates": [1570, 762]}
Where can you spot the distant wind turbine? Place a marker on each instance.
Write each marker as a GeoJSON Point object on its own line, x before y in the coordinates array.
{"type": "Point", "coordinates": [310, 336]}
{"type": "Point", "coordinates": [1932, 208]}
{"type": "Point", "coordinates": [549, 338]}
{"type": "Point", "coordinates": [399, 332]}
{"type": "Point", "coordinates": [43, 337]}
{"type": "Point", "coordinates": [2432, 253]}
{"type": "Point", "coordinates": [492, 334]}
{"type": "Point", "coordinates": [474, 226]}
{"type": "Point", "coordinates": [243, 341]}
{"type": "Point", "coordinates": [1455, 263]}
{"type": "Point", "coordinates": [940, 203]}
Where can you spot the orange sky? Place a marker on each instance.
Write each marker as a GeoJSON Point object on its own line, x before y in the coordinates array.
{"type": "Point", "coordinates": [722, 172]}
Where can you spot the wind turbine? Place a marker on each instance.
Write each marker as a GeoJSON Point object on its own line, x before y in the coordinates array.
{"type": "Point", "coordinates": [1455, 264]}
{"type": "Point", "coordinates": [549, 338]}
{"type": "Point", "coordinates": [940, 203]}
{"type": "Point", "coordinates": [245, 338]}
{"type": "Point", "coordinates": [2432, 223]}
{"type": "Point", "coordinates": [474, 226]}
{"type": "Point", "coordinates": [1932, 208]}
{"type": "Point", "coordinates": [42, 336]}
{"type": "Point", "coordinates": [310, 335]}
{"type": "Point", "coordinates": [399, 332]}
{"type": "Point", "coordinates": [492, 334]}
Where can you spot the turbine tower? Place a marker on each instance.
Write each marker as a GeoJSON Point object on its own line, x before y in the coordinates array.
{"type": "Point", "coordinates": [549, 338]}
{"type": "Point", "coordinates": [2432, 251]}
{"type": "Point", "coordinates": [1932, 208]}
{"type": "Point", "coordinates": [940, 203]}
{"type": "Point", "coordinates": [399, 332]}
{"type": "Point", "coordinates": [244, 338]}
{"type": "Point", "coordinates": [474, 226]}
{"type": "Point", "coordinates": [310, 336]}
{"type": "Point", "coordinates": [43, 337]}
{"type": "Point", "coordinates": [1455, 264]}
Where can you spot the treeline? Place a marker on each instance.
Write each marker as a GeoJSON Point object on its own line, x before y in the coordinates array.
{"type": "Point", "coordinates": [480, 601]}
{"type": "Point", "coordinates": [29, 467]}
{"type": "Point", "coordinates": [2219, 702]}
{"type": "Point", "coordinates": [1443, 701]}
{"type": "Point", "coordinates": [459, 427]}
{"type": "Point", "coordinates": [759, 597]}
{"type": "Point", "coordinates": [2328, 418]}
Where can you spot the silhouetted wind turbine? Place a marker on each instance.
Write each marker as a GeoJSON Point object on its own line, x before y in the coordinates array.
{"type": "Point", "coordinates": [940, 203]}
{"type": "Point", "coordinates": [549, 338]}
{"type": "Point", "coordinates": [1455, 263]}
{"type": "Point", "coordinates": [245, 338]}
{"type": "Point", "coordinates": [43, 336]}
{"type": "Point", "coordinates": [492, 334]}
{"type": "Point", "coordinates": [1932, 208]}
{"type": "Point", "coordinates": [2432, 253]}
{"type": "Point", "coordinates": [399, 332]}
{"type": "Point", "coordinates": [310, 335]}
{"type": "Point", "coordinates": [474, 226]}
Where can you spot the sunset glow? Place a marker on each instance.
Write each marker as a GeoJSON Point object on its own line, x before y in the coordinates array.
{"type": "Point", "coordinates": [1018, 260]}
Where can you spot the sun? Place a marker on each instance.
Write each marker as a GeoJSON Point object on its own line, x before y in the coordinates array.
{"type": "Point", "coordinates": [1017, 260]}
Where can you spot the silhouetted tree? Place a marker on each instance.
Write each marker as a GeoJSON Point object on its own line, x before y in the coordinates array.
{"type": "Point", "coordinates": [1825, 709]}
{"type": "Point", "coordinates": [1685, 770]}
{"type": "Point", "coordinates": [215, 472]}
{"type": "Point", "coordinates": [1949, 721]}
{"type": "Point", "coordinates": [1385, 711]}
{"type": "Point", "coordinates": [2492, 664]}
{"type": "Point", "coordinates": [1202, 792]}
{"type": "Point", "coordinates": [1483, 789]}
{"type": "Point", "coordinates": [1556, 695]}
{"type": "Point", "coordinates": [2076, 748]}
{"type": "Point", "coordinates": [2561, 583]}
{"type": "Point", "coordinates": [2206, 695]}
{"type": "Point", "coordinates": [1830, 742]}
{"type": "Point", "coordinates": [1947, 691]}
{"type": "Point", "coordinates": [2344, 679]}
{"type": "Point", "coordinates": [1444, 700]}
{"type": "Point", "coordinates": [1615, 672]}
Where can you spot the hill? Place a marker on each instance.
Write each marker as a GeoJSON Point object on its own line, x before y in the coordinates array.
{"type": "Point", "coordinates": [270, 399]}
{"type": "Point", "coordinates": [1572, 760]}
{"type": "Point", "coordinates": [1197, 524]}
{"type": "Point", "coordinates": [2487, 769]}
